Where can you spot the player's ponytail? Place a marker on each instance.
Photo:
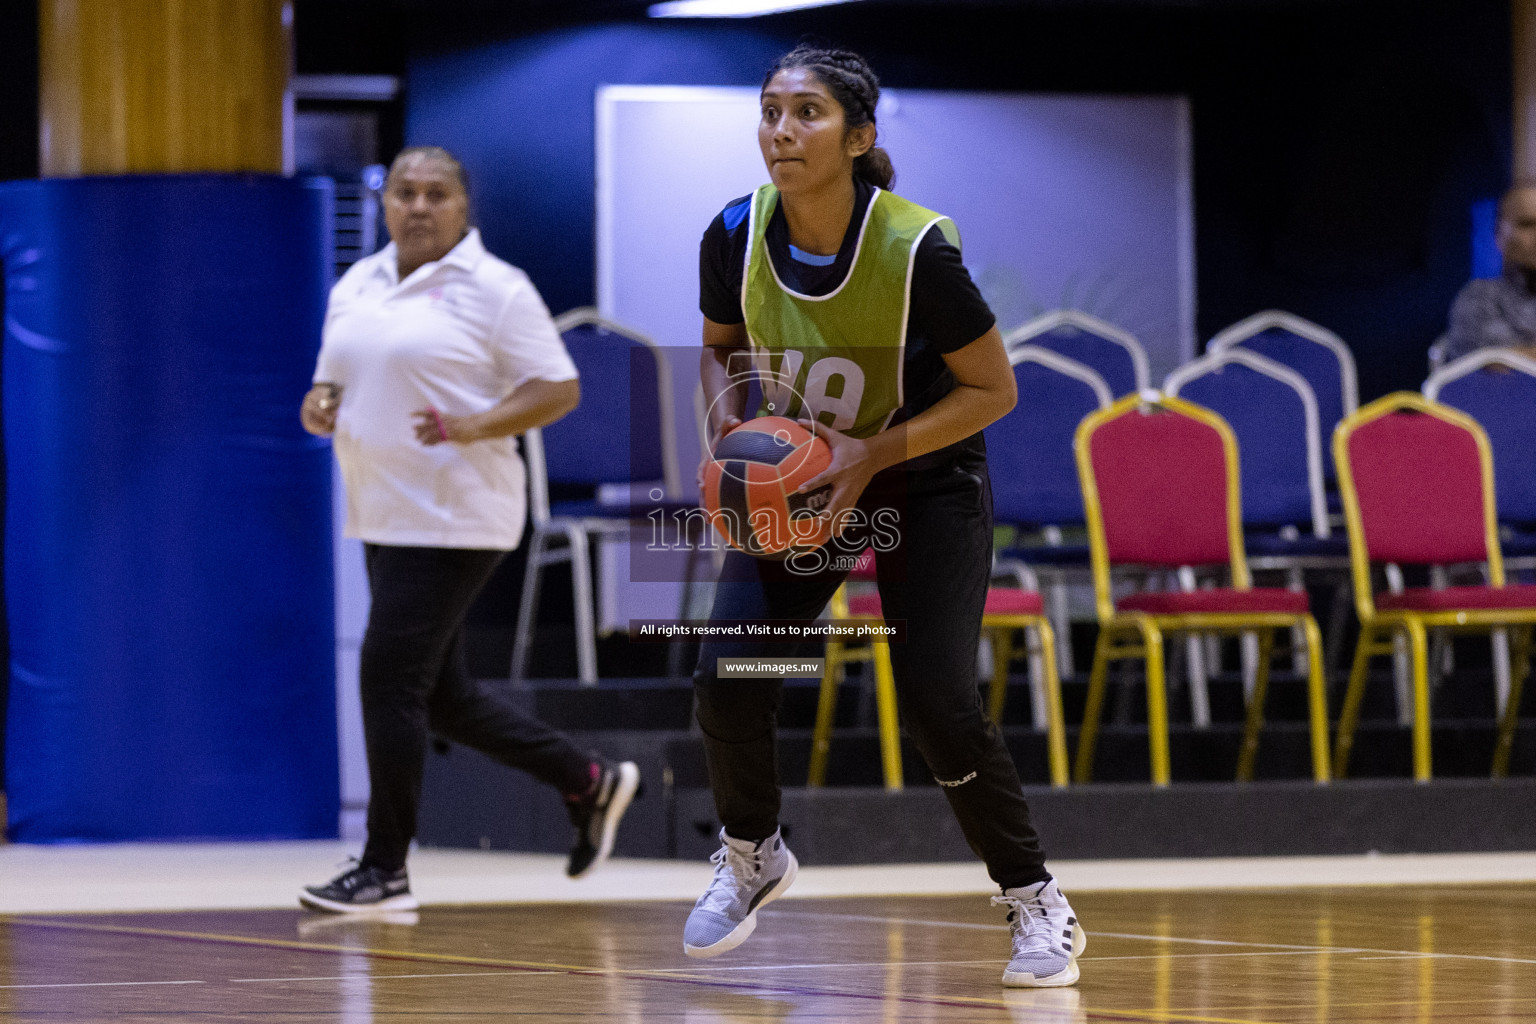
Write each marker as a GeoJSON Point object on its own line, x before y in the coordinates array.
{"type": "Point", "coordinates": [875, 168]}
{"type": "Point", "coordinates": [851, 81]}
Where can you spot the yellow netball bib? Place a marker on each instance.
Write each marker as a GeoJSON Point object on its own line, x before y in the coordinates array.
{"type": "Point", "coordinates": [837, 358]}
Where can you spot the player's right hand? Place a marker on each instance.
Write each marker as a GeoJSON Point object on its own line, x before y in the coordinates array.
{"type": "Point", "coordinates": [318, 411]}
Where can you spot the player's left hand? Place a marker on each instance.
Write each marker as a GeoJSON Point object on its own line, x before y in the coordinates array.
{"type": "Point", "coordinates": [851, 469]}
{"type": "Point", "coordinates": [433, 427]}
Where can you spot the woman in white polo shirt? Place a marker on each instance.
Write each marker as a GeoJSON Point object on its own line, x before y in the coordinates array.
{"type": "Point", "coordinates": [435, 355]}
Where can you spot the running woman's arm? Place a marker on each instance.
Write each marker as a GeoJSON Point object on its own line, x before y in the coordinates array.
{"type": "Point", "coordinates": [984, 391]}
{"type": "Point", "coordinates": [535, 403]}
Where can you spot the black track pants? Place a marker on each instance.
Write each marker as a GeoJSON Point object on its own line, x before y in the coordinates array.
{"type": "Point", "coordinates": [414, 681]}
{"type": "Point", "coordinates": [935, 579]}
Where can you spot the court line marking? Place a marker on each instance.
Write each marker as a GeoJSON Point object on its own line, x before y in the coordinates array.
{"type": "Point", "coordinates": [669, 976]}
{"type": "Point", "coordinates": [676, 975]}
{"type": "Point", "coordinates": [875, 918]}
{"type": "Point", "coordinates": [1198, 956]}
{"type": "Point", "coordinates": [1398, 956]}
{"type": "Point", "coordinates": [875, 963]}
{"type": "Point", "coordinates": [1158, 938]}
{"type": "Point", "coordinates": [992, 960]}
{"type": "Point", "coordinates": [396, 977]}
{"type": "Point", "coordinates": [104, 984]}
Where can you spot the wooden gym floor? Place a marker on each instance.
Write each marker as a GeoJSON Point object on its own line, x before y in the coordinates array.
{"type": "Point", "coordinates": [1463, 953]}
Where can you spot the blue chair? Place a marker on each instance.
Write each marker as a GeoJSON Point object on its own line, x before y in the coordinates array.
{"type": "Point", "coordinates": [1273, 413]}
{"type": "Point", "coordinates": [594, 472]}
{"type": "Point", "coordinates": [1503, 401]}
{"type": "Point", "coordinates": [1115, 355]}
{"type": "Point", "coordinates": [1504, 404]}
{"type": "Point", "coordinates": [1034, 473]}
{"type": "Point", "coordinates": [1319, 355]}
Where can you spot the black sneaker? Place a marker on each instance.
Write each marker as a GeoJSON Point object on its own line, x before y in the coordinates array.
{"type": "Point", "coordinates": [361, 889]}
{"type": "Point", "coordinates": [596, 815]}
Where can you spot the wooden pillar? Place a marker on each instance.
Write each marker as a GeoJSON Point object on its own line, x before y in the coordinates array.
{"type": "Point", "coordinates": [162, 86]}
{"type": "Point", "coordinates": [1523, 41]}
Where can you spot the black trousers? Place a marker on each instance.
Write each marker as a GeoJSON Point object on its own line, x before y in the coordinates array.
{"type": "Point", "coordinates": [934, 577]}
{"type": "Point", "coordinates": [414, 680]}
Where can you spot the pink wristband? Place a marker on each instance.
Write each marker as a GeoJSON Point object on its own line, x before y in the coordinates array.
{"type": "Point", "coordinates": [442, 431]}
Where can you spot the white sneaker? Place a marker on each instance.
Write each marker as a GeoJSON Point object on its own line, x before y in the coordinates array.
{"type": "Point", "coordinates": [1047, 940]}
{"type": "Point", "coordinates": [748, 876]}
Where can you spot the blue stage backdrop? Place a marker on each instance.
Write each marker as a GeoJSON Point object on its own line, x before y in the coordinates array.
{"type": "Point", "coordinates": [168, 541]}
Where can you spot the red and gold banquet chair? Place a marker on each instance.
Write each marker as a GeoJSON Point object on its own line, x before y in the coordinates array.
{"type": "Point", "coordinates": [1161, 488]}
{"type": "Point", "coordinates": [1417, 483]}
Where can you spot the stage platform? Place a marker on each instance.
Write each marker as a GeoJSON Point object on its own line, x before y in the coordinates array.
{"type": "Point", "coordinates": [472, 803]}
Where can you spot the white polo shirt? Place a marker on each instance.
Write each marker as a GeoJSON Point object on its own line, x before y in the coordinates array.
{"type": "Point", "coordinates": [459, 335]}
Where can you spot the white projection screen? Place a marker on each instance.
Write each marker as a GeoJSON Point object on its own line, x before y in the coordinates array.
{"type": "Point", "coordinates": [1062, 201]}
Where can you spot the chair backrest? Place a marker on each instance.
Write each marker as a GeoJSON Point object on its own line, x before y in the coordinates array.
{"type": "Point", "coordinates": [1115, 354]}
{"type": "Point", "coordinates": [1497, 387]}
{"type": "Point", "coordinates": [1311, 350]}
{"type": "Point", "coordinates": [1160, 487]}
{"type": "Point", "coordinates": [622, 432]}
{"type": "Point", "coordinates": [1273, 412]}
{"type": "Point", "coordinates": [1029, 451]}
{"type": "Point", "coordinates": [1417, 483]}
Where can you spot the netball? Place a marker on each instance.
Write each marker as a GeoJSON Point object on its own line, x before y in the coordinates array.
{"type": "Point", "coordinates": [751, 488]}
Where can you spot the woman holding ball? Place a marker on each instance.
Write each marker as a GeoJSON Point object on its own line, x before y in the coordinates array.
{"type": "Point", "coordinates": [858, 303]}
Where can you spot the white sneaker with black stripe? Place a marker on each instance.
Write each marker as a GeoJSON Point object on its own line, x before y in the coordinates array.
{"type": "Point", "coordinates": [1047, 940]}
{"type": "Point", "coordinates": [748, 877]}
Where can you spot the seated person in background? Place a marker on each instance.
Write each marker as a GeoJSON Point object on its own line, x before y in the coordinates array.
{"type": "Point", "coordinates": [1500, 312]}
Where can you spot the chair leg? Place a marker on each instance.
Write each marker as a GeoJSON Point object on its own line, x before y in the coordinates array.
{"type": "Point", "coordinates": [1402, 660]}
{"type": "Point", "coordinates": [1338, 618]}
{"type": "Point", "coordinates": [1317, 698]}
{"type": "Point", "coordinates": [1249, 754]}
{"type": "Point", "coordinates": [522, 642]}
{"type": "Point", "coordinates": [997, 691]}
{"type": "Point", "coordinates": [1157, 703]}
{"type": "Point", "coordinates": [1197, 675]}
{"type": "Point", "coordinates": [1295, 581]}
{"type": "Point", "coordinates": [1248, 657]}
{"type": "Point", "coordinates": [1402, 678]}
{"type": "Point", "coordinates": [1057, 605]}
{"type": "Point", "coordinates": [1097, 678]}
{"type": "Point", "coordinates": [1196, 672]}
{"type": "Point", "coordinates": [1520, 667]}
{"type": "Point", "coordinates": [1418, 648]}
{"type": "Point", "coordinates": [1501, 669]}
{"type": "Point", "coordinates": [581, 588]}
{"type": "Point", "coordinates": [1349, 714]}
{"type": "Point", "coordinates": [1211, 642]}
{"type": "Point", "coordinates": [1050, 683]}
{"type": "Point", "coordinates": [885, 709]}
{"type": "Point", "coordinates": [1034, 650]}
{"type": "Point", "coordinates": [826, 706]}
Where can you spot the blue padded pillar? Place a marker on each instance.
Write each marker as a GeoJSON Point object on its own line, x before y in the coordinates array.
{"type": "Point", "coordinates": [168, 572]}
